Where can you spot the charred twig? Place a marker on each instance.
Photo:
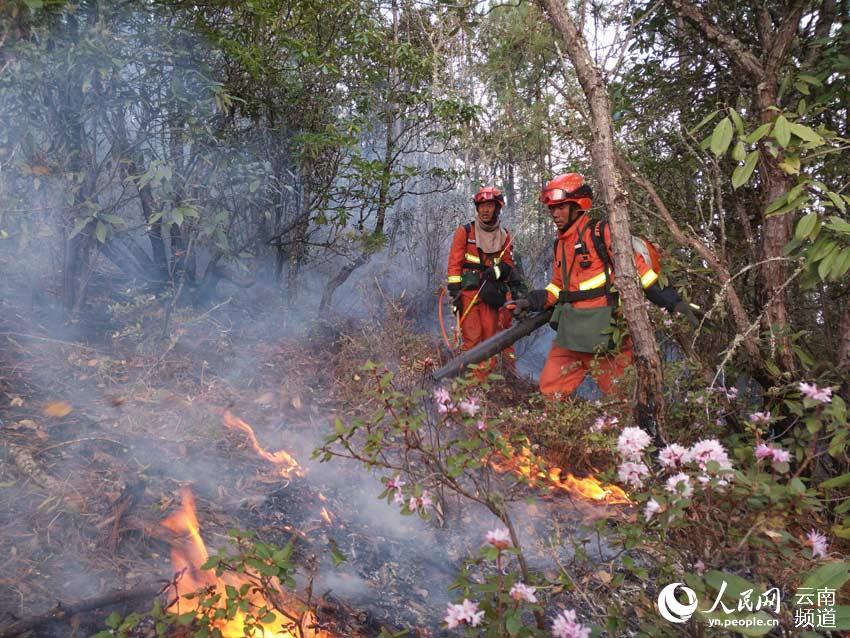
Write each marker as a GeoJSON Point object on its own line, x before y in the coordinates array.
{"type": "Point", "coordinates": [25, 462]}
{"type": "Point", "coordinates": [61, 613]}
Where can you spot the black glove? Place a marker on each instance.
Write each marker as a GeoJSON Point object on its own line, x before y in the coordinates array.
{"type": "Point", "coordinates": [497, 272]}
{"type": "Point", "coordinates": [684, 308]}
{"type": "Point", "coordinates": [537, 300]}
{"type": "Point", "coordinates": [518, 306]}
{"type": "Point", "coordinates": [666, 298]}
{"type": "Point", "coordinates": [454, 295]}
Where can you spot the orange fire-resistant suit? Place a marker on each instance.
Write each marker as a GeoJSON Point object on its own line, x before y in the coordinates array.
{"type": "Point", "coordinates": [480, 320]}
{"type": "Point", "coordinates": [565, 369]}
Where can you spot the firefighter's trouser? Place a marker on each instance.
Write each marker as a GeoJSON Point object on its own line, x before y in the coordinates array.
{"type": "Point", "coordinates": [565, 369]}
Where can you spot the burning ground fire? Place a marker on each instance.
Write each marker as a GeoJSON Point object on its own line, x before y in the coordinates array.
{"type": "Point", "coordinates": [189, 553]}
{"type": "Point", "coordinates": [588, 487]}
{"type": "Point", "coordinates": [287, 465]}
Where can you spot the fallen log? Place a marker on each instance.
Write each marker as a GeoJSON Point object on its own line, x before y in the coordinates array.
{"type": "Point", "coordinates": [492, 346]}
{"type": "Point", "coordinates": [63, 613]}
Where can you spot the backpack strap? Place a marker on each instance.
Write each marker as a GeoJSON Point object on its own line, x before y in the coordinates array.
{"type": "Point", "coordinates": [597, 235]}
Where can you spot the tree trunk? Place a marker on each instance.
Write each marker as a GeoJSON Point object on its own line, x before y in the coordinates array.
{"type": "Point", "coordinates": [777, 232]}
{"type": "Point", "coordinates": [131, 167]}
{"type": "Point", "coordinates": [649, 405]}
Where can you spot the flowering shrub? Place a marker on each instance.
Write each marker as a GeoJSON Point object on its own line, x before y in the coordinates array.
{"type": "Point", "coordinates": [734, 503]}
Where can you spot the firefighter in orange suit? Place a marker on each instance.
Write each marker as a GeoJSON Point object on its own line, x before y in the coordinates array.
{"type": "Point", "coordinates": [581, 289]}
{"type": "Point", "coordinates": [482, 276]}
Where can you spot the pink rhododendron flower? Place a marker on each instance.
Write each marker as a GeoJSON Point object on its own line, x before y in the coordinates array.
{"type": "Point", "coordinates": [781, 456]}
{"type": "Point", "coordinates": [632, 473]}
{"type": "Point", "coordinates": [652, 506]}
{"type": "Point", "coordinates": [499, 538]}
{"type": "Point", "coordinates": [760, 418]}
{"type": "Point", "coordinates": [775, 454]}
{"type": "Point", "coordinates": [396, 484]}
{"type": "Point", "coordinates": [699, 566]}
{"type": "Point", "coordinates": [702, 452]}
{"type": "Point", "coordinates": [482, 424]}
{"type": "Point", "coordinates": [441, 395]}
{"type": "Point", "coordinates": [672, 456]}
{"type": "Point", "coordinates": [681, 479]}
{"type": "Point", "coordinates": [731, 393]}
{"type": "Point", "coordinates": [811, 391]}
{"type": "Point", "coordinates": [818, 543]}
{"type": "Point", "coordinates": [604, 422]}
{"type": "Point", "coordinates": [466, 612]}
{"type": "Point", "coordinates": [566, 625]}
{"type": "Point", "coordinates": [420, 503]}
{"type": "Point", "coordinates": [764, 451]}
{"type": "Point", "coordinates": [470, 406]}
{"type": "Point", "coordinates": [521, 591]}
{"type": "Point", "coordinates": [632, 442]}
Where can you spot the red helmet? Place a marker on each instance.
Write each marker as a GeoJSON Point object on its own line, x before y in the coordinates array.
{"type": "Point", "coordinates": [569, 187]}
{"type": "Point", "coordinates": [489, 194]}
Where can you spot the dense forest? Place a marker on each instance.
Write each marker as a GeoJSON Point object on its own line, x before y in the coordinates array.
{"type": "Point", "coordinates": [227, 305]}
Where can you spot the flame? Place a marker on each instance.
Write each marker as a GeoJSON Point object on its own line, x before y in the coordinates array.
{"type": "Point", "coordinates": [589, 487]}
{"type": "Point", "coordinates": [287, 465]}
{"type": "Point", "coordinates": [189, 553]}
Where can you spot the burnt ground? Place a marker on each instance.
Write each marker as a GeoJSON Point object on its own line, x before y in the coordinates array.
{"type": "Point", "coordinates": [102, 421]}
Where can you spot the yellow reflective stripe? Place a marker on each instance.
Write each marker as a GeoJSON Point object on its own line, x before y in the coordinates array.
{"type": "Point", "coordinates": [472, 258]}
{"type": "Point", "coordinates": [594, 282]}
{"type": "Point", "coordinates": [455, 279]}
{"type": "Point", "coordinates": [553, 289]}
{"type": "Point", "coordinates": [649, 278]}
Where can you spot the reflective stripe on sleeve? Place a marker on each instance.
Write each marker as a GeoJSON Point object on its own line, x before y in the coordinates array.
{"type": "Point", "coordinates": [553, 289]}
{"type": "Point", "coordinates": [648, 278]}
{"type": "Point", "coordinates": [455, 279]}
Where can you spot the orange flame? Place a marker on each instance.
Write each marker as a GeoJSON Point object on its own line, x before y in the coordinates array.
{"type": "Point", "coordinates": [287, 465]}
{"type": "Point", "coordinates": [588, 487]}
{"type": "Point", "coordinates": [189, 553]}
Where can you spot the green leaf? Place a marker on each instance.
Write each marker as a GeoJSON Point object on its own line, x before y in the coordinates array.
{"type": "Point", "coordinates": [839, 204]}
{"type": "Point", "coordinates": [113, 620]}
{"type": "Point", "coordinates": [759, 133]}
{"type": "Point", "coordinates": [78, 227]}
{"type": "Point", "coordinates": [810, 79]}
{"type": "Point", "coordinates": [806, 225]}
{"type": "Point", "coordinates": [703, 122]}
{"type": "Point", "coordinates": [721, 136]}
{"type": "Point", "coordinates": [100, 232]}
{"type": "Point", "coordinates": [741, 174]}
{"type": "Point", "coordinates": [739, 123]}
{"type": "Point", "coordinates": [838, 481]}
{"type": "Point", "coordinates": [782, 131]}
{"type": "Point", "coordinates": [776, 204]}
{"type": "Point", "coordinates": [739, 153]}
{"type": "Point", "coordinates": [832, 575]}
{"type": "Point", "coordinates": [826, 264]}
{"type": "Point", "coordinates": [841, 265]}
{"type": "Point", "coordinates": [805, 133]}
{"type": "Point", "coordinates": [791, 165]}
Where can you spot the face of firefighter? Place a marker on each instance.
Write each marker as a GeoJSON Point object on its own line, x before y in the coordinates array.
{"type": "Point", "coordinates": [564, 214]}
{"type": "Point", "coordinates": [486, 212]}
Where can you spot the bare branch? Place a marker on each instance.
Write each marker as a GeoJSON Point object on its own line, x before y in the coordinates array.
{"type": "Point", "coordinates": [734, 48]}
